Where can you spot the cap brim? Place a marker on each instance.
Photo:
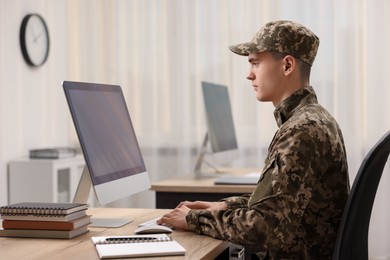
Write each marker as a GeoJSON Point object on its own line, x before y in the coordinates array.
{"type": "Point", "coordinates": [240, 49]}
{"type": "Point", "coordinates": [244, 49]}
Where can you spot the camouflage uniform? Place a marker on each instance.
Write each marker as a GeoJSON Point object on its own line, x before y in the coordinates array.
{"type": "Point", "coordinates": [296, 208]}
{"type": "Point", "coordinates": [297, 205]}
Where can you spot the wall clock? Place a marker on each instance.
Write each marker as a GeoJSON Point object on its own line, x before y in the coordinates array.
{"type": "Point", "coordinates": [34, 40]}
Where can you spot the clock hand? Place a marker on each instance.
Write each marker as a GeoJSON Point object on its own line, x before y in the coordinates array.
{"type": "Point", "coordinates": [37, 37]}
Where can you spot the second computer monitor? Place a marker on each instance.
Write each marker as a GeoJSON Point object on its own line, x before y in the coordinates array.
{"type": "Point", "coordinates": [220, 125]}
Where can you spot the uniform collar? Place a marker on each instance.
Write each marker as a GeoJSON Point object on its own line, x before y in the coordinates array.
{"type": "Point", "coordinates": [302, 97]}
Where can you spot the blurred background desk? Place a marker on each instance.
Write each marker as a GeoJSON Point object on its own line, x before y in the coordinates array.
{"type": "Point", "coordinates": [171, 192]}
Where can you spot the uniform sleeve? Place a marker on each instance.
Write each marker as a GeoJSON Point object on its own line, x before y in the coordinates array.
{"type": "Point", "coordinates": [275, 208]}
{"type": "Point", "coordinates": [240, 226]}
{"type": "Point", "coordinates": [237, 201]}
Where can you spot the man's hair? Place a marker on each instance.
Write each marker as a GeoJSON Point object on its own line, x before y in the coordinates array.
{"type": "Point", "coordinates": [304, 68]}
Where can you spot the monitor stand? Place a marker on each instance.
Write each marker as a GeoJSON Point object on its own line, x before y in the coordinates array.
{"type": "Point", "coordinates": [199, 174]}
{"type": "Point", "coordinates": [82, 195]}
{"type": "Point", "coordinates": [109, 222]}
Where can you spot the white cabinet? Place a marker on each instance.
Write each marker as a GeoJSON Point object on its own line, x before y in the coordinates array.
{"type": "Point", "coordinates": [44, 180]}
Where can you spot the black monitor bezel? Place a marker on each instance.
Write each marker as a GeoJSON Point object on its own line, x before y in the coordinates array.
{"type": "Point", "coordinates": [96, 180]}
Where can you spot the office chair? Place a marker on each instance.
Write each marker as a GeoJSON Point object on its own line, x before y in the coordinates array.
{"type": "Point", "coordinates": [352, 238]}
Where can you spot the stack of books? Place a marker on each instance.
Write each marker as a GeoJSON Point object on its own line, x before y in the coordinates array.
{"type": "Point", "coordinates": [44, 220]}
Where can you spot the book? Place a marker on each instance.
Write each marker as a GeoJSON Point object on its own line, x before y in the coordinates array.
{"type": "Point", "coordinates": [43, 233]}
{"type": "Point", "coordinates": [53, 153]}
{"type": "Point", "coordinates": [137, 246]}
{"type": "Point", "coordinates": [47, 225]}
{"type": "Point", "coordinates": [41, 208]}
{"type": "Point", "coordinates": [65, 217]}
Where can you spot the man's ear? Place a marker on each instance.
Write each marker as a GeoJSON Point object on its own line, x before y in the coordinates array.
{"type": "Point", "coordinates": [289, 64]}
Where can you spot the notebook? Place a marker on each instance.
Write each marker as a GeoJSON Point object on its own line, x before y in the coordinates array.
{"type": "Point", "coordinates": [67, 217]}
{"type": "Point", "coordinates": [47, 225]}
{"type": "Point", "coordinates": [137, 246]}
{"type": "Point", "coordinates": [36, 233]}
{"type": "Point", "coordinates": [42, 208]}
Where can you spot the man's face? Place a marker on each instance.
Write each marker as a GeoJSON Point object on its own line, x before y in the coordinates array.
{"type": "Point", "coordinates": [266, 75]}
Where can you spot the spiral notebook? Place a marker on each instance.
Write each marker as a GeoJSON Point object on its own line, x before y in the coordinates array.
{"type": "Point", "coordinates": [41, 208]}
{"type": "Point", "coordinates": [137, 246]}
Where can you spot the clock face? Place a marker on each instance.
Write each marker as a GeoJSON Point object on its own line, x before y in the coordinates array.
{"type": "Point", "coordinates": [34, 40]}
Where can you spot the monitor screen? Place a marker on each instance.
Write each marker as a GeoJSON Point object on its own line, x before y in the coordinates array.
{"type": "Point", "coordinates": [220, 126]}
{"type": "Point", "coordinates": [107, 139]}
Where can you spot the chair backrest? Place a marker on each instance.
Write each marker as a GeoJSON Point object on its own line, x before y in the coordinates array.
{"type": "Point", "coordinates": [352, 239]}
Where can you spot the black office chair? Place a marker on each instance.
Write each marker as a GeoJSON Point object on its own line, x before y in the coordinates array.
{"type": "Point", "coordinates": [352, 239]}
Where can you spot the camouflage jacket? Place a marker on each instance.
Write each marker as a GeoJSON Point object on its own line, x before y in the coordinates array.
{"type": "Point", "coordinates": [296, 208]}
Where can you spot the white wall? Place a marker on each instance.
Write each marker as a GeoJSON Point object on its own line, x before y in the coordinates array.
{"type": "Point", "coordinates": [32, 107]}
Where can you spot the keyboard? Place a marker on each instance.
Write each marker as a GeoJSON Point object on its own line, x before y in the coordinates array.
{"type": "Point", "coordinates": [236, 180]}
{"type": "Point", "coordinates": [251, 178]}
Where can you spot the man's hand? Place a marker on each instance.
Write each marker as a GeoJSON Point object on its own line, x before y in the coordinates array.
{"type": "Point", "coordinates": [177, 217]}
{"type": "Point", "coordinates": [206, 205]}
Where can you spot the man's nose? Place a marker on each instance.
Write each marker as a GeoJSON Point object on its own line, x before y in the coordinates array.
{"type": "Point", "coordinates": [250, 76]}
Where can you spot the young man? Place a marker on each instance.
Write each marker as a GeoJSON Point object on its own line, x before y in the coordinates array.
{"type": "Point", "coordinates": [296, 208]}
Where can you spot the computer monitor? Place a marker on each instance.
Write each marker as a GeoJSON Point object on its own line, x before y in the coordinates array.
{"type": "Point", "coordinates": [220, 126]}
{"type": "Point", "coordinates": [114, 167]}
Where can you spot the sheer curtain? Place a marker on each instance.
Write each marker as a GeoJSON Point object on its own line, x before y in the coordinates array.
{"type": "Point", "coordinates": [159, 51]}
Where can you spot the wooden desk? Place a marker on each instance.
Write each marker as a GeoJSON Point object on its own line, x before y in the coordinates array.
{"type": "Point", "coordinates": [198, 247]}
{"type": "Point", "coordinates": [169, 193]}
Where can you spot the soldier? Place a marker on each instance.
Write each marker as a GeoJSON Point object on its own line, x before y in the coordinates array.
{"type": "Point", "coordinates": [296, 208]}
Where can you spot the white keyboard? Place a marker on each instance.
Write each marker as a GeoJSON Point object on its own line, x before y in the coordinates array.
{"type": "Point", "coordinates": [149, 222]}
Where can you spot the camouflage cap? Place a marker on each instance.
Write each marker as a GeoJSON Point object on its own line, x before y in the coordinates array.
{"type": "Point", "coordinates": [284, 37]}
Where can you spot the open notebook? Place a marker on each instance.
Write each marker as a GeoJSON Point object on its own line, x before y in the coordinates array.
{"type": "Point", "coordinates": [137, 246]}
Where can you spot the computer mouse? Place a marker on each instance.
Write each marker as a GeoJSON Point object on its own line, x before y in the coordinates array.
{"type": "Point", "coordinates": [152, 229]}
